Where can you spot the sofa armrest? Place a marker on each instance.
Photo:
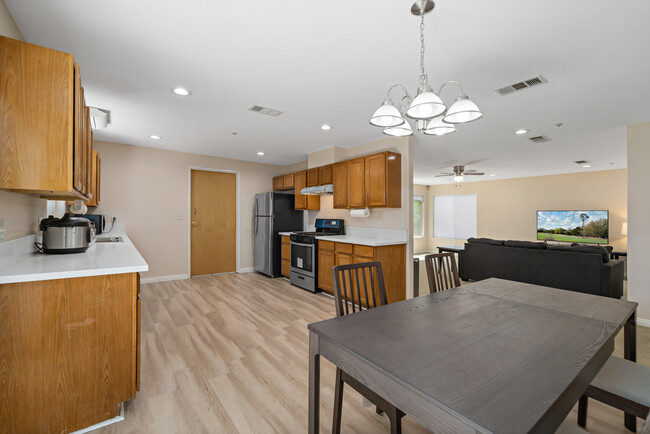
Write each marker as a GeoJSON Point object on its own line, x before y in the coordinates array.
{"type": "Point", "coordinates": [611, 278]}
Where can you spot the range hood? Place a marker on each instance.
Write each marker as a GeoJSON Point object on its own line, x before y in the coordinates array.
{"type": "Point", "coordinates": [318, 190]}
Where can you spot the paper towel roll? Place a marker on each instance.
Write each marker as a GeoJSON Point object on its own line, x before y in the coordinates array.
{"type": "Point", "coordinates": [360, 213]}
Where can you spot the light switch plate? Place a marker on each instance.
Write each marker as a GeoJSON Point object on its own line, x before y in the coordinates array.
{"type": "Point", "coordinates": [180, 216]}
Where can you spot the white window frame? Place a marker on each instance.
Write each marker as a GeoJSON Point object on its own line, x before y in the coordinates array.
{"type": "Point", "coordinates": [422, 214]}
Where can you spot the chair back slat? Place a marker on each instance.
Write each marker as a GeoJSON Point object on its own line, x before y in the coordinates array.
{"type": "Point", "coordinates": [442, 272]}
{"type": "Point", "coordinates": [352, 293]}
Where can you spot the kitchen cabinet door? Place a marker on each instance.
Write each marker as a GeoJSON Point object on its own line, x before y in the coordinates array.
{"type": "Point", "coordinates": [383, 179]}
{"type": "Point", "coordinates": [278, 182]}
{"type": "Point", "coordinates": [288, 181]}
{"type": "Point", "coordinates": [300, 182]}
{"type": "Point", "coordinates": [285, 268]}
{"type": "Point", "coordinates": [325, 265]}
{"type": "Point", "coordinates": [325, 175]}
{"type": "Point", "coordinates": [312, 177]}
{"type": "Point", "coordinates": [356, 184]}
{"type": "Point", "coordinates": [340, 182]}
{"type": "Point", "coordinates": [95, 180]}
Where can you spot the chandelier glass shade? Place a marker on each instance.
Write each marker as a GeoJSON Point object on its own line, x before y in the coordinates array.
{"type": "Point", "coordinates": [431, 114]}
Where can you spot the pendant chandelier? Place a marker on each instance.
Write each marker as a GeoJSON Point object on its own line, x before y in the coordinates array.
{"type": "Point", "coordinates": [431, 115]}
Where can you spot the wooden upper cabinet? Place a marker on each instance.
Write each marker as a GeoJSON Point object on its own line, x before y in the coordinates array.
{"type": "Point", "coordinates": [383, 180]}
{"type": "Point", "coordinates": [325, 175]}
{"type": "Point", "coordinates": [41, 135]}
{"type": "Point", "coordinates": [278, 182]}
{"type": "Point", "coordinates": [95, 184]}
{"type": "Point", "coordinates": [300, 182]}
{"type": "Point", "coordinates": [356, 183]}
{"type": "Point", "coordinates": [340, 181]}
{"type": "Point", "coordinates": [288, 181]}
{"type": "Point", "coordinates": [312, 177]}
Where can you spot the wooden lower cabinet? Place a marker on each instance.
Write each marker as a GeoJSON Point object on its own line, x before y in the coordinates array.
{"type": "Point", "coordinates": [285, 256]}
{"type": "Point", "coordinates": [392, 259]}
{"type": "Point", "coordinates": [69, 351]}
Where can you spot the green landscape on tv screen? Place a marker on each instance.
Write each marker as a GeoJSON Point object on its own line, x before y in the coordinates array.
{"type": "Point", "coordinates": [590, 227]}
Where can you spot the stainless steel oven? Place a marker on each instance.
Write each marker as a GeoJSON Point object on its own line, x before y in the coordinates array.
{"type": "Point", "coordinates": [303, 262]}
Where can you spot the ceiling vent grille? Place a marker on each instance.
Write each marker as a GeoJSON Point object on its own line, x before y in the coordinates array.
{"type": "Point", "coordinates": [539, 139]}
{"type": "Point", "coordinates": [265, 111]}
{"type": "Point", "coordinates": [511, 88]}
{"type": "Point", "coordinates": [582, 161]}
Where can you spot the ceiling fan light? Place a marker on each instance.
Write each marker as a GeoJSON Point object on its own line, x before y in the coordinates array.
{"type": "Point", "coordinates": [387, 116]}
{"type": "Point", "coordinates": [399, 131]}
{"type": "Point", "coordinates": [462, 111]}
{"type": "Point", "coordinates": [426, 105]}
{"type": "Point", "coordinates": [458, 178]}
{"type": "Point", "coordinates": [436, 127]}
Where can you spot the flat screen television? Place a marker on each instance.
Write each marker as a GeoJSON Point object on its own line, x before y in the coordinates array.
{"type": "Point", "coordinates": [589, 227]}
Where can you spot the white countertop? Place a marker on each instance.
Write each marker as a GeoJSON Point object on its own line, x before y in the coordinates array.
{"type": "Point", "coordinates": [286, 234]}
{"type": "Point", "coordinates": [363, 240]}
{"type": "Point", "coordinates": [19, 262]}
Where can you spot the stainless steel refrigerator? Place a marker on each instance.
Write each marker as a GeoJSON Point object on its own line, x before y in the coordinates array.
{"type": "Point", "coordinates": [273, 212]}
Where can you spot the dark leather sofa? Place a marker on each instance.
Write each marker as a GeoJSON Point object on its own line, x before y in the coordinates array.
{"type": "Point", "coordinates": [578, 268]}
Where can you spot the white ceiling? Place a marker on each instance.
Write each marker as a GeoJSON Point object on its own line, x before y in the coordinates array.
{"type": "Point", "coordinates": [332, 62]}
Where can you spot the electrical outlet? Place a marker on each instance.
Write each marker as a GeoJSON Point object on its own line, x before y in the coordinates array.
{"type": "Point", "coordinates": [401, 223]}
{"type": "Point", "coordinates": [2, 228]}
{"type": "Point", "coordinates": [376, 223]}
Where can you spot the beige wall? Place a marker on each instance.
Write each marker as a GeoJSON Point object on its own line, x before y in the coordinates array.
{"type": "Point", "coordinates": [421, 245]}
{"type": "Point", "coordinates": [389, 218]}
{"type": "Point", "coordinates": [147, 189]}
{"type": "Point", "coordinates": [20, 212]}
{"type": "Point", "coordinates": [638, 155]}
{"type": "Point", "coordinates": [506, 209]}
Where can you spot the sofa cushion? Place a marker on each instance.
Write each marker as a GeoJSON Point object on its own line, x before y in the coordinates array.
{"type": "Point", "coordinates": [488, 241]}
{"type": "Point", "coordinates": [592, 249]}
{"type": "Point", "coordinates": [525, 244]}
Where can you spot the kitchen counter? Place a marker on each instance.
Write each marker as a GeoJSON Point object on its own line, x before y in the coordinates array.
{"type": "Point", "coordinates": [19, 262]}
{"type": "Point", "coordinates": [363, 240]}
{"type": "Point", "coordinates": [286, 234]}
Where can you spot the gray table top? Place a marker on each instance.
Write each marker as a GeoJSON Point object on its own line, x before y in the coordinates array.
{"type": "Point", "coordinates": [499, 353]}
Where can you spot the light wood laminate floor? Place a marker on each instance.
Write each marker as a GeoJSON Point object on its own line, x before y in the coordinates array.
{"type": "Point", "coordinates": [228, 354]}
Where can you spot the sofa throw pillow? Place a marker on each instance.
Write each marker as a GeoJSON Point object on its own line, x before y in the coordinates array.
{"type": "Point", "coordinates": [488, 241]}
{"type": "Point", "coordinates": [592, 249]}
{"type": "Point", "coordinates": [525, 244]}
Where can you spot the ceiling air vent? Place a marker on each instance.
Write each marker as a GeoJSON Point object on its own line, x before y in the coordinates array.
{"type": "Point", "coordinates": [535, 81]}
{"type": "Point", "coordinates": [582, 161]}
{"type": "Point", "coordinates": [539, 139]}
{"type": "Point", "coordinates": [265, 111]}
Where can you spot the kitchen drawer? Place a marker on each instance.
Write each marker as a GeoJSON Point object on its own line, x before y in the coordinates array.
{"type": "Point", "coordinates": [285, 267]}
{"type": "Point", "coordinates": [285, 239]}
{"type": "Point", "coordinates": [286, 251]}
{"type": "Point", "coordinates": [365, 251]}
{"type": "Point", "coordinates": [344, 248]}
{"type": "Point", "coordinates": [325, 245]}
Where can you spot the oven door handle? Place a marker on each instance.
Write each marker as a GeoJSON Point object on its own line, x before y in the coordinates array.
{"type": "Point", "coordinates": [302, 244]}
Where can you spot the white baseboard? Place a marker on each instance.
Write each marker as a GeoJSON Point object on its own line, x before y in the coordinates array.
{"type": "Point", "coordinates": [643, 322]}
{"type": "Point", "coordinates": [164, 278]}
{"type": "Point", "coordinates": [118, 418]}
{"type": "Point", "coordinates": [246, 270]}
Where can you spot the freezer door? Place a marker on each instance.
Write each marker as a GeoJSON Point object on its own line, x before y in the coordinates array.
{"type": "Point", "coordinates": [263, 204]}
{"type": "Point", "coordinates": [263, 245]}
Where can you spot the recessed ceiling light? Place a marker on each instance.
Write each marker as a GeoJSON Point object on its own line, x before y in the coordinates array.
{"type": "Point", "coordinates": [260, 153]}
{"type": "Point", "coordinates": [493, 174]}
{"type": "Point", "coordinates": [181, 91]}
{"type": "Point", "coordinates": [521, 131]}
{"type": "Point", "coordinates": [586, 165]}
{"type": "Point", "coordinates": [155, 137]}
{"type": "Point", "coordinates": [325, 127]}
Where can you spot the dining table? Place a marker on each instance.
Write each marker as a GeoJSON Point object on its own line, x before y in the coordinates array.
{"type": "Point", "coordinates": [493, 356]}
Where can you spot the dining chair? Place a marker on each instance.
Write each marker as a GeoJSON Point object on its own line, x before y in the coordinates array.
{"type": "Point", "coordinates": [442, 272]}
{"type": "Point", "coordinates": [621, 383]}
{"type": "Point", "coordinates": [360, 287]}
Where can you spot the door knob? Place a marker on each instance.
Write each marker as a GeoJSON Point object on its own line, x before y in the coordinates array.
{"type": "Point", "coordinates": [193, 223]}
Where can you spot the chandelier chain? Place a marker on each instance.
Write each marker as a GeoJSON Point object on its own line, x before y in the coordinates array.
{"type": "Point", "coordinates": [422, 73]}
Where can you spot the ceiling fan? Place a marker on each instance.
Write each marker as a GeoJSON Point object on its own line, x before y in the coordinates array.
{"type": "Point", "coordinates": [460, 173]}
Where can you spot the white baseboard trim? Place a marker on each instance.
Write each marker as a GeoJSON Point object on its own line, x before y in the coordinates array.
{"type": "Point", "coordinates": [643, 322]}
{"type": "Point", "coordinates": [246, 270]}
{"type": "Point", "coordinates": [164, 278]}
{"type": "Point", "coordinates": [118, 418]}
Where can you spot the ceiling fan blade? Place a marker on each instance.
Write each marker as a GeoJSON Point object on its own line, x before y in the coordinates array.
{"type": "Point", "coordinates": [475, 173]}
{"type": "Point", "coordinates": [470, 171]}
{"type": "Point", "coordinates": [444, 174]}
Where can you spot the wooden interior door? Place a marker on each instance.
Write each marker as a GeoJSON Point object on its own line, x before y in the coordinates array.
{"type": "Point", "coordinates": [213, 219]}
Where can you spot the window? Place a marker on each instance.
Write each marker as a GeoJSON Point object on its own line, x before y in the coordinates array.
{"type": "Point", "coordinates": [418, 216]}
{"type": "Point", "coordinates": [454, 216]}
